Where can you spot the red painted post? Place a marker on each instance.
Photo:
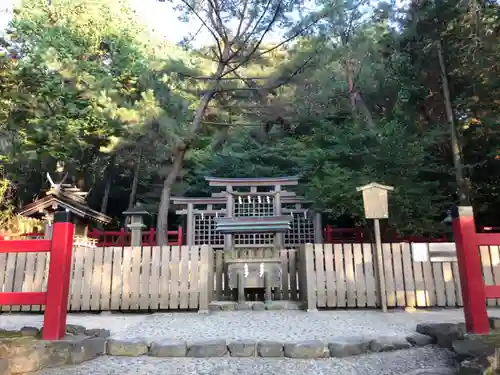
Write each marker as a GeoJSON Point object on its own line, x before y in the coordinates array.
{"type": "Point", "coordinates": [151, 238]}
{"type": "Point", "coordinates": [54, 324]}
{"type": "Point", "coordinates": [470, 269]}
{"type": "Point", "coordinates": [180, 236]}
{"type": "Point", "coordinates": [122, 238]}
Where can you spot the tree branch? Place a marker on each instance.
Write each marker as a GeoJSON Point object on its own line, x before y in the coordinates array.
{"type": "Point", "coordinates": [203, 23]}
{"type": "Point", "coordinates": [252, 55]}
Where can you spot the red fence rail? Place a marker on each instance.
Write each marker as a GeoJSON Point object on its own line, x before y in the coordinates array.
{"type": "Point", "coordinates": [123, 237]}
{"type": "Point", "coordinates": [55, 298]}
{"type": "Point", "coordinates": [341, 235]}
{"type": "Point", "coordinates": [360, 235]}
{"type": "Point", "coordinates": [474, 290]}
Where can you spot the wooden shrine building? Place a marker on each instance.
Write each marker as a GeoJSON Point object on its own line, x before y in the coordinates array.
{"type": "Point", "coordinates": [64, 197]}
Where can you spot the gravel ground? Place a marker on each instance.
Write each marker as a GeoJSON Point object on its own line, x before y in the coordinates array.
{"type": "Point", "coordinates": [401, 362]}
{"type": "Point", "coordinates": [256, 325]}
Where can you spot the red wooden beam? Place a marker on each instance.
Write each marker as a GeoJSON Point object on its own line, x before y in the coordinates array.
{"type": "Point", "coordinates": [25, 246]}
{"type": "Point", "coordinates": [23, 298]}
{"type": "Point", "coordinates": [492, 291]}
{"type": "Point", "coordinates": [488, 239]}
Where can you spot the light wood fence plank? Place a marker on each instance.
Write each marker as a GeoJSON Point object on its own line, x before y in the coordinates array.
{"type": "Point", "coordinates": [3, 271]}
{"type": "Point", "coordinates": [292, 256]}
{"type": "Point", "coordinates": [19, 277]}
{"type": "Point", "coordinates": [430, 286]}
{"type": "Point", "coordinates": [437, 268]}
{"type": "Point", "coordinates": [284, 293]}
{"type": "Point", "coordinates": [420, 292]}
{"type": "Point", "coordinates": [331, 300]}
{"type": "Point", "coordinates": [76, 282]}
{"type": "Point", "coordinates": [10, 273]}
{"type": "Point", "coordinates": [320, 275]}
{"type": "Point", "coordinates": [456, 279]}
{"type": "Point", "coordinates": [184, 278]}
{"type": "Point", "coordinates": [165, 277]}
{"type": "Point", "coordinates": [398, 274]}
{"type": "Point", "coordinates": [495, 264]}
{"type": "Point", "coordinates": [145, 283]}
{"type": "Point", "coordinates": [95, 297]}
{"type": "Point", "coordinates": [219, 267]}
{"type": "Point", "coordinates": [359, 274]}
{"type": "Point", "coordinates": [174, 278]}
{"type": "Point", "coordinates": [135, 277]}
{"type": "Point", "coordinates": [390, 285]}
{"type": "Point", "coordinates": [449, 283]}
{"type": "Point", "coordinates": [154, 287]}
{"type": "Point", "coordinates": [117, 279]}
{"type": "Point", "coordinates": [45, 276]}
{"type": "Point", "coordinates": [371, 283]}
{"type": "Point", "coordinates": [206, 277]}
{"type": "Point", "coordinates": [38, 281]}
{"type": "Point", "coordinates": [487, 271]}
{"type": "Point", "coordinates": [29, 277]}
{"type": "Point", "coordinates": [340, 275]}
{"type": "Point", "coordinates": [87, 277]}
{"type": "Point", "coordinates": [107, 265]}
{"type": "Point", "coordinates": [194, 278]}
{"type": "Point", "coordinates": [408, 276]}
{"type": "Point", "coordinates": [126, 279]}
{"type": "Point", "coordinates": [349, 275]}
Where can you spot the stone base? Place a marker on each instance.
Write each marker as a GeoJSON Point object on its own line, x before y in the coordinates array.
{"type": "Point", "coordinates": [23, 351]}
{"type": "Point", "coordinates": [257, 306]}
{"type": "Point", "coordinates": [473, 353]}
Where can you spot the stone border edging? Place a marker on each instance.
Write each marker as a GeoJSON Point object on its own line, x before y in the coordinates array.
{"type": "Point", "coordinates": [308, 349]}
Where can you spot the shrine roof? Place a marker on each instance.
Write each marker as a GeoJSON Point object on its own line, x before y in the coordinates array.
{"type": "Point", "coordinates": [67, 200]}
{"type": "Point", "coordinates": [264, 181]}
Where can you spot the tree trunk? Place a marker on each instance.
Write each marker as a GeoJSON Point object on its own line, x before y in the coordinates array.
{"type": "Point", "coordinates": [358, 105]}
{"type": "Point", "coordinates": [107, 188]}
{"type": "Point", "coordinates": [162, 221]}
{"type": "Point", "coordinates": [135, 181]}
{"type": "Point", "coordinates": [463, 196]}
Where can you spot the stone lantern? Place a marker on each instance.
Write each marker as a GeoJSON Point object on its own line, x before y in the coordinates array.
{"type": "Point", "coordinates": [136, 223]}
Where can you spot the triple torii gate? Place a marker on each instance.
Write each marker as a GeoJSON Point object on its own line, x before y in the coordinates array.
{"type": "Point", "coordinates": [249, 197]}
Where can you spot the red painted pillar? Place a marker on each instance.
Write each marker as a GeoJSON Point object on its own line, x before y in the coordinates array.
{"type": "Point", "coordinates": [180, 236]}
{"type": "Point", "coordinates": [470, 268]}
{"type": "Point", "coordinates": [54, 325]}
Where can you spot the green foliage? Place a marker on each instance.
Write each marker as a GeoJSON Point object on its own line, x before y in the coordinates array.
{"type": "Point", "coordinates": [6, 207]}
{"type": "Point", "coordinates": [85, 87]}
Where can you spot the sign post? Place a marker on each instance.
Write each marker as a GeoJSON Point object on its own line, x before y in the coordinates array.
{"type": "Point", "coordinates": [376, 208]}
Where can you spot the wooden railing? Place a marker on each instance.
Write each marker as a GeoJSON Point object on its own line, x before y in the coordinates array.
{"type": "Point", "coordinates": [476, 288]}
{"type": "Point", "coordinates": [123, 237]}
{"type": "Point", "coordinates": [55, 299]}
{"type": "Point", "coordinates": [360, 235]}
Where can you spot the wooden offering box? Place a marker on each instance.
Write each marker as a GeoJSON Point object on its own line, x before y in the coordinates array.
{"type": "Point", "coordinates": [255, 273]}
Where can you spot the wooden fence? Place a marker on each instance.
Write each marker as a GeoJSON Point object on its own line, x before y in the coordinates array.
{"type": "Point", "coordinates": [179, 277]}
{"type": "Point", "coordinates": [119, 278]}
{"type": "Point", "coordinates": [343, 275]}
